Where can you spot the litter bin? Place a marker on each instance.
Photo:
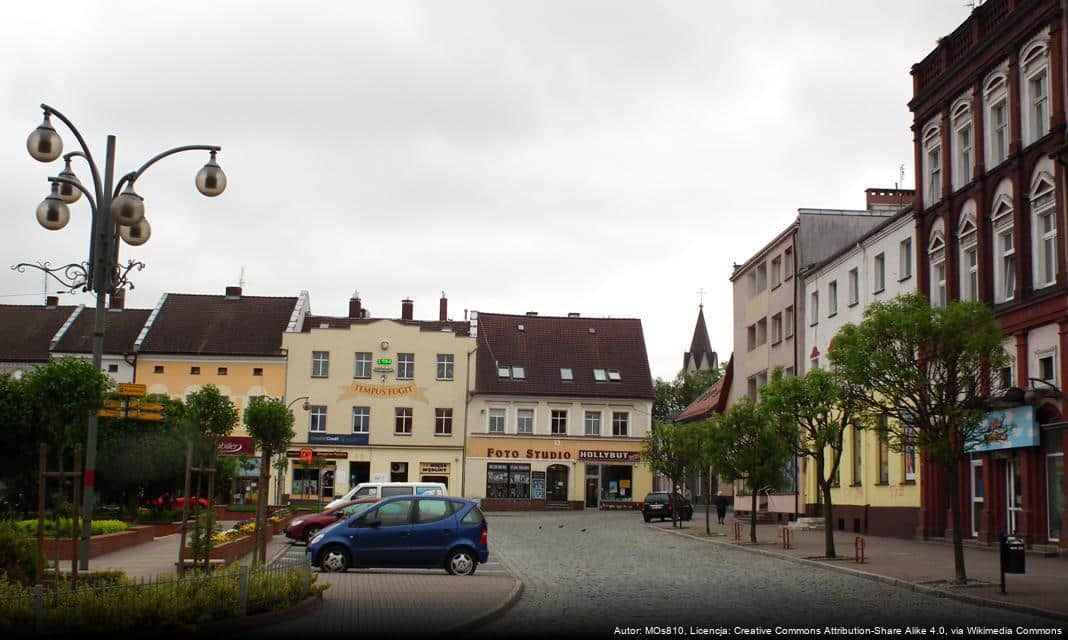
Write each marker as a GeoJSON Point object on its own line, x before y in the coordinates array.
{"type": "Point", "coordinates": [1013, 557]}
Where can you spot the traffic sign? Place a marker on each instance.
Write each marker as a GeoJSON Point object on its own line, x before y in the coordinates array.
{"type": "Point", "coordinates": [132, 390]}
{"type": "Point", "coordinates": [144, 415]}
{"type": "Point", "coordinates": [113, 404]}
{"type": "Point", "coordinates": [149, 406]}
{"type": "Point", "coordinates": [109, 413]}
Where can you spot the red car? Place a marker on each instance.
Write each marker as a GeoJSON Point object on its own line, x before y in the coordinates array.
{"type": "Point", "coordinates": [173, 504]}
{"type": "Point", "coordinates": [304, 528]}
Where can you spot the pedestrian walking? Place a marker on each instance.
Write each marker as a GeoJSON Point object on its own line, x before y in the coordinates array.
{"type": "Point", "coordinates": [721, 506]}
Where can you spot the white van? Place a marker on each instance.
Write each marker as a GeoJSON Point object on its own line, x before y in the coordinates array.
{"type": "Point", "coordinates": [390, 489]}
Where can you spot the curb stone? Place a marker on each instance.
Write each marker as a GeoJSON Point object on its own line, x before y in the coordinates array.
{"type": "Point", "coordinates": [896, 582]}
{"type": "Point", "coordinates": [495, 613]}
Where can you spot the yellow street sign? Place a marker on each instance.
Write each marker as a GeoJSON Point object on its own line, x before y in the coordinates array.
{"type": "Point", "coordinates": [148, 406]}
{"type": "Point", "coordinates": [132, 390]}
{"type": "Point", "coordinates": [109, 413]}
{"type": "Point", "coordinates": [113, 404]}
{"type": "Point", "coordinates": [152, 417]}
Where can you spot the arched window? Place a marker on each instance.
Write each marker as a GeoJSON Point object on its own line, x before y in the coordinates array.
{"type": "Point", "coordinates": [1004, 248]}
{"type": "Point", "coordinates": [996, 105]}
{"type": "Point", "coordinates": [936, 253]}
{"type": "Point", "coordinates": [963, 158]}
{"type": "Point", "coordinates": [967, 236]}
{"type": "Point", "coordinates": [1044, 230]}
{"type": "Point", "coordinates": [932, 164]}
{"type": "Point", "coordinates": [1034, 89]}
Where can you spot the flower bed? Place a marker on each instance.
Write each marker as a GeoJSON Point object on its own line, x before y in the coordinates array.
{"type": "Point", "coordinates": [99, 544]}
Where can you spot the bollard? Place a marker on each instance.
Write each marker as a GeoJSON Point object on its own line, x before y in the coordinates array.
{"type": "Point", "coordinates": [785, 535]}
{"type": "Point", "coordinates": [858, 550]}
{"type": "Point", "coordinates": [242, 581]}
{"type": "Point", "coordinates": [737, 530]}
{"type": "Point", "coordinates": [38, 607]}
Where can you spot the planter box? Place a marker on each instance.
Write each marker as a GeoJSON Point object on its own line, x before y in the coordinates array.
{"type": "Point", "coordinates": [98, 545]}
{"type": "Point", "coordinates": [160, 529]}
{"type": "Point", "coordinates": [227, 553]}
{"type": "Point", "coordinates": [222, 512]}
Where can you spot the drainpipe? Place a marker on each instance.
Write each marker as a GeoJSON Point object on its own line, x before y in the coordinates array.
{"type": "Point", "coordinates": [467, 404]}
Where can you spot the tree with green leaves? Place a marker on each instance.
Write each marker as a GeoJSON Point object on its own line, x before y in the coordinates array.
{"type": "Point", "coordinates": [212, 415]}
{"type": "Point", "coordinates": [701, 434]}
{"type": "Point", "coordinates": [746, 446]}
{"type": "Point", "coordinates": [920, 371]}
{"type": "Point", "coordinates": [671, 449]}
{"type": "Point", "coordinates": [270, 423]}
{"type": "Point", "coordinates": [671, 397]}
{"type": "Point", "coordinates": [18, 460]}
{"type": "Point", "coordinates": [811, 413]}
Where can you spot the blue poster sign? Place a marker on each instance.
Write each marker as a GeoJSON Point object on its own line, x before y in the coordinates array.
{"type": "Point", "coordinates": [316, 437]}
{"type": "Point", "coordinates": [1022, 430]}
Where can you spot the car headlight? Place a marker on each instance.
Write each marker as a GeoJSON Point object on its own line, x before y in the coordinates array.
{"type": "Point", "coordinates": [296, 522]}
{"type": "Point", "coordinates": [317, 539]}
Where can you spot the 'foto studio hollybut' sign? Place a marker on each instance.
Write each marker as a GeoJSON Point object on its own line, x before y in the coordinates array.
{"type": "Point", "coordinates": [609, 456]}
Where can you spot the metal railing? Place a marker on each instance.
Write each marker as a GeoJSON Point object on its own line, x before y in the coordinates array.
{"type": "Point", "coordinates": [162, 602]}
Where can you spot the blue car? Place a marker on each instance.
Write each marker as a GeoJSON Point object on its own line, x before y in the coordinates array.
{"type": "Point", "coordinates": [406, 531]}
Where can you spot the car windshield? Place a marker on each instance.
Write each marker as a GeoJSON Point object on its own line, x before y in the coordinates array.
{"type": "Point", "coordinates": [354, 509]}
{"type": "Point", "coordinates": [656, 498]}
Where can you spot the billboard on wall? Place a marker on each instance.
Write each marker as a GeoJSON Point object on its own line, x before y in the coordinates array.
{"type": "Point", "coordinates": [1021, 429]}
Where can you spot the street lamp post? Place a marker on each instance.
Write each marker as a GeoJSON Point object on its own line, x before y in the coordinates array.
{"type": "Point", "coordinates": [117, 212]}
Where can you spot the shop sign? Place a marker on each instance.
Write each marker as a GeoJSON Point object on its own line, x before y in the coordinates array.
{"type": "Point", "coordinates": [341, 455]}
{"type": "Point", "coordinates": [440, 468]}
{"type": "Point", "coordinates": [533, 454]}
{"type": "Point", "coordinates": [132, 390]}
{"type": "Point", "coordinates": [1012, 428]}
{"type": "Point", "coordinates": [337, 438]}
{"type": "Point", "coordinates": [383, 391]}
{"type": "Point", "coordinates": [609, 456]}
{"type": "Point", "coordinates": [236, 446]}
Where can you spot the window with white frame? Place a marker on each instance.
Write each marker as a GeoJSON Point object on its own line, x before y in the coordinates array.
{"type": "Point", "coordinates": [558, 422]}
{"type": "Point", "coordinates": [814, 308]}
{"type": "Point", "coordinates": [495, 423]}
{"type": "Point", "coordinates": [593, 423]}
{"type": "Point", "coordinates": [1044, 229]}
{"type": "Point", "coordinates": [936, 253]}
{"type": "Point", "coordinates": [1047, 367]}
{"type": "Point", "coordinates": [969, 259]}
{"type": "Point", "coordinates": [1034, 71]}
{"type": "Point", "coordinates": [854, 286]}
{"type": "Point", "coordinates": [776, 272]}
{"type": "Point", "coordinates": [905, 259]}
{"type": "Point", "coordinates": [788, 264]}
{"type": "Point", "coordinates": [443, 422]}
{"type": "Point", "coordinates": [788, 321]}
{"type": "Point", "coordinates": [932, 165]}
{"type": "Point", "coordinates": [524, 421]}
{"type": "Point", "coordinates": [402, 421]}
{"type": "Point", "coordinates": [361, 419]}
{"type": "Point", "coordinates": [320, 364]}
{"type": "Point", "coordinates": [620, 423]}
{"type": "Point", "coordinates": [1005, 375]}
{"type": "Point", "coordinates": [1004, 250]}
{"type": "Point", "coordinates": [996, 103]}
{"type": "Point", "coordinates": [363, 365]}
{"type": "Point", "coordinates": [405, 366]}
{"type": "Point", "coordinates": [832, 298]}
{"type": "Point", "coordinates": [762, 277]}
{"type": "Point", "coordinates": [776, 328]}
{"type": "Point", "coordinates": [445, 366]}
{"type": "Point", "coordinates": [963, 158]}
{"type": "Point", "coordinates": [879, 270]}
{"type": "Point", "coordinates": [317, 418]}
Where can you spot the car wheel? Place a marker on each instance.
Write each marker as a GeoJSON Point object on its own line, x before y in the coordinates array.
{"type": "Point", "coordinates": [461, 562]}
{"type": "Point", "coordinates": [309, 533]}
{"type": "Point", "coordinates": [335, 559]}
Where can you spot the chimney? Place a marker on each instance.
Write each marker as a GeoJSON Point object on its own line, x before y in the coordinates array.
{"type": "Point", "coordinates": [117, 300]}
{"type": "Point", "coordinates": [407, 309]}
{"type": "Point", "coordinates": [233, 293]}
{"type": "Point", "coordinates": [51, 302]}
{"type": "Point", "coordinates": [532, 313]}
{"type": "Point", "coordinates": [355, 307]}
{"type": "Point", "coordinates": [443, 308]}
{"type": "Point", "coordinates": [888, 199]}
{"type": "Point", "coordinates": [573, 314]}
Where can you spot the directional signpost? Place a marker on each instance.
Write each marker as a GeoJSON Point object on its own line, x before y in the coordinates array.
{"type": "Point", "coordinates": [128, 405]}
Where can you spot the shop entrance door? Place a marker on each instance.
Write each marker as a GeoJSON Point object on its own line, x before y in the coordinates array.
{"type": "Point", "coordinates": [591, 493]}
{"type": "Point", "coordinates": [556, 476]}
{"type": "Point", "coordinates": [1055, 493]}
{"type": "Point", "coordinates": [977, 496]}
{"type": "Point", "coordinates": [1013, 495]}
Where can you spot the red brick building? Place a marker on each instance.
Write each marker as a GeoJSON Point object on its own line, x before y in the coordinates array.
{"type": "Point", "coordinates": [989, 127]}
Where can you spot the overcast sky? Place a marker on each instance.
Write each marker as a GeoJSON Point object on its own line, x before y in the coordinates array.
{"type": "Point", "coordinates": [609, 158]}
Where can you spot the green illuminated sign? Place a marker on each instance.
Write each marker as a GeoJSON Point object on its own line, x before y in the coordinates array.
{"type": "Point", "coordinates": [385, 362]}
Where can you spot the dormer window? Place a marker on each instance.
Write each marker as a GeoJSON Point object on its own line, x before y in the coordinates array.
{"type": "Point", "coordinates": [504, 372]}
{"type": "Point", "coordinates": [613, 375]}
{"type": "Point", "coordinates": [600, 375]}
{"type": "Point", "coordinates": [518, 373]}
{"type": "Point", "coordinates": [567, 375]}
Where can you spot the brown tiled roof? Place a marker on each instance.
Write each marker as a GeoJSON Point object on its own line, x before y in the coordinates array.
{"type": "Point", "coordinates": [121, 329]}
{"type": "Point", "coordinates": [711, 401]}
{"type": "Point", "coordinates": [217, 325]}
{"type": "Point", "coordinates": [547, 344]}
{"type": "Point", "coordinates": [26, 331]}
{"type": "Point", "coordinates": [333, 322]}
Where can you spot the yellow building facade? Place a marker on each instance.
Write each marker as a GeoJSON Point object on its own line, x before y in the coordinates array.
{"type": "Point", "coordinates": [385, 398]}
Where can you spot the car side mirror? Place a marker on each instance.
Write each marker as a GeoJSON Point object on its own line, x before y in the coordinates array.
{"type": "Point", "coordinates": [339, 515]}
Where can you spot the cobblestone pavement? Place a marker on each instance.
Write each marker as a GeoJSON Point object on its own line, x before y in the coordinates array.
{"type": "Point", "coordinates": [591, 572]}
{"type": "Point", "coordinates": [397, 602]}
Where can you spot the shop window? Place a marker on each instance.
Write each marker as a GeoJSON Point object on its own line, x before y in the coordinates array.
{"type": "Point", "coordinates": [617, 483]}
{"type": "Point", "coordinates": [306, 482]}
{"type": "Point", "coordinates": [507, 480]}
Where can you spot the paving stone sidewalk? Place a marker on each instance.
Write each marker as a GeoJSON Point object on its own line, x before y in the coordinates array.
{"type": "Point", "coordinates": [1044, 586]}
{"type": "Point", "coordinates": [158, 558]}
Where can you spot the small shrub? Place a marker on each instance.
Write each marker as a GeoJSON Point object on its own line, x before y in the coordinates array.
{"type": "Point", "coordinates": [18, 559]}
{"type": "Point", "coordinates": [165, 516]}
{"type": "Point", "coordinates": [99, 527]}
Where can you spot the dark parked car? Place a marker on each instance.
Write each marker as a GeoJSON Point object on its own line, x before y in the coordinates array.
{"type": "Point", "coordinates": [660, 503]}
{"type": "Point", "coordinates": [304, 528]}
{"type": "Point", "coordinates": [406, 531]}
